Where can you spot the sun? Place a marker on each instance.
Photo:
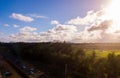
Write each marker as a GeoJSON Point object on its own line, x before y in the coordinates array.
{"type": "Point", "coordinates": [112, 11]}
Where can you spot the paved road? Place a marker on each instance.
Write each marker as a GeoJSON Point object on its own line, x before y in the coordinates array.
{"type": "Point", "coordinates": [4, 67]}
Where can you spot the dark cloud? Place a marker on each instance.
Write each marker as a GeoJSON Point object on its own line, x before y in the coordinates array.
{"type": "Point", "coordinates": [102, 26]}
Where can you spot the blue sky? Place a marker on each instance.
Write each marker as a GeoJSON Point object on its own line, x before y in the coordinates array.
{"type": "Point", "coordinates": [43, 12]}
{"type": "Point", "coordinates": [61, 10]}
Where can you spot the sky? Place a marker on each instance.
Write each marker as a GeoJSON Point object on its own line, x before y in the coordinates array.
{"type": "Point", "coordinates": [55, 20]}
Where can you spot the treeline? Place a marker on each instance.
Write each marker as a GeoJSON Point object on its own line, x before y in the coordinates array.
{"type": "Point", "coordinates": [61, 60]}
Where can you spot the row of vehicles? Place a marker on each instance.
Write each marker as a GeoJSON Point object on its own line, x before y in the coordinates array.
{"type": "Point", "coordinates": [26, 70]}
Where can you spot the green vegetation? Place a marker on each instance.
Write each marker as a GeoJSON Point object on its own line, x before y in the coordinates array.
{"type": "Point", "coordinates": [63, 60]}
{"type": "Point", "coordinates": [102, 53]}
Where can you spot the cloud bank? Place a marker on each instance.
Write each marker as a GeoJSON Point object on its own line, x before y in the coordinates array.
{"type": "Point", "coordinates": [98, 27]}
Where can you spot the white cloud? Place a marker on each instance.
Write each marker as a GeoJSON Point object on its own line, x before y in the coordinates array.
{"type": "Point", "coordinates": [25, 34]}
{"type": "Point", "coordinates": [54, 22]}
{"type": "Point", "coordinates": [27, 29]}
{"type": "Point", "coordinates": [21, 17]}
{"type": "Point", "coordinates": [37, 16]}
{"type": "Point", "coordinates": [15, 26]}
{"type": "Point", "coordinates": [58, 33]}
{"type": "Point", "coordinates": [88, 19]}
{"type": "Point", "coordinates": [6, 25]}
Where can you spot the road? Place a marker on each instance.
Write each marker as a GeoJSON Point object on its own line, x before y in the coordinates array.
{"type": "Point", "coordinates": [15, 71]}
{"type": "Point", "coordinates": [6, 67]}
{"type": "Point", "coordinates": [14, 67]}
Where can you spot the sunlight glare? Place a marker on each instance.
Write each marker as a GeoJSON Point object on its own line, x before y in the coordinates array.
{"type": "Point", "coordinates": [113, 12]}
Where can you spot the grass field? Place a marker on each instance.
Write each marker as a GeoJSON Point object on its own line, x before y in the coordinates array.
{"type": "Point", "coordinates": [102, 53]}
